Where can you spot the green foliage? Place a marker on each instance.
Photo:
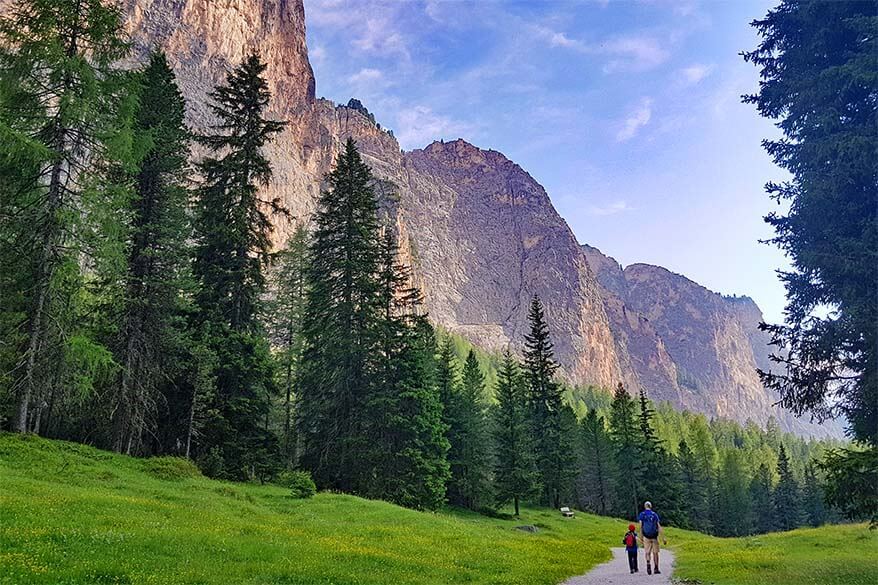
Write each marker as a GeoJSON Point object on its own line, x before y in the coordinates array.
{"type": "Point", "coordinates": [732, 508]}
{"type": "Point", "coordinates": [626, 445]}
{"type": "Point", "coordinates": [851, 477]}
{"type": "Point", "coordinates": [818, 78]}
{"type": "Point", "coordinates": [787, 496]}
{"type": "Point", "coordinates": [762, 501]}
{"type": "Point", "coordinates": [552, 422]}
{"type": "Point", "coordinates": [594, 486]}
{"type": "Point", "coordinates": [515, 472]}
{"type": "Point", "coordinates": [298, 482]}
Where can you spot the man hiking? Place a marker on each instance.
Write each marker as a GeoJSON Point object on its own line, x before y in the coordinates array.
{"type": "Point", "coordinates": [650, 531]}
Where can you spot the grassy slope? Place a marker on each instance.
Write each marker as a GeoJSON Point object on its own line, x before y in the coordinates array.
{"type": "Point", "coordinates": [72, 514]}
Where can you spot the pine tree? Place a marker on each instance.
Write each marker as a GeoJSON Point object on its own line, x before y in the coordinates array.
{"type": "Point", "coordinates": [787, 496]}
{"type": "Point", "coordinates": [761, 500]}
{"type": "Point", "coordinates": [407, 448]}
{"type": "Point", "coordinates": [732, 513]}
{"type": "Point", "coordinates": [285, 313]}
{"type": "Point", "coordinates": [515, 472]}
{"type": "Point", "coordinates": [448, 381]}
{"type": "Point", "coordinates": [150, 332]}
{"type": "Point", "coordinates": [626, 444]}
{"type": "Point", "coordinates": [813, 498]}
{"type": "Point", "coordinates": [339, 331]}
{"type": "Point", "coordinates": [594, 485]}
{"type": "Point", "coordinates": [232, 250]}
{"type": "Point", "coordinates": [695, 479]}
{"type": "Point", "coordinates": [660, 470]}
{"type": "Point", "coordinates": [470, 455]}
{"type": "Point", "coordinates": [59, 98]}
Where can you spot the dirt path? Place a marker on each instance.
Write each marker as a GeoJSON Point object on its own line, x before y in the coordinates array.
{"type": "Point", "coordinates": [616, 571]}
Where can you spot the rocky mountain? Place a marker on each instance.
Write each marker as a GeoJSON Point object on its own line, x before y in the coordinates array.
{"type": "Point", "coordinates": [689, 345]}
{"type": "Point", "coordinates": [481, 234]}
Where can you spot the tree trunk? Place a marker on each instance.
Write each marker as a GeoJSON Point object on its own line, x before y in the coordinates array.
{"type": "Point", "coordinates": [515, 499]}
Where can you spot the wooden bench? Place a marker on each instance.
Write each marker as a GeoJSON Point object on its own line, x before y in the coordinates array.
{"type": "Point", "coordinates": [566, 512]}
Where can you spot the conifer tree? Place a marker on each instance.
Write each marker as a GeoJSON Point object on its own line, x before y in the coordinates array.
{"type": "Point", "coordinates": [470, 455]}
{"type": "Point", "coordinates": [695, 480]}
{"type": "Point", "coordinates": [626, 444]}
{"type": "Point", "coordinates": [59, 97]}
{"type": "Point", "coordinates": [787, 496]}
{"type": "Point", "coordinates": [284, 314]}
{"type": "Point", "coordinates": [151, 328]}
{"type": "Point", "coordinates": [339, 331]}
{"type": "Point", "coordinates": [732, 512]}
{"type": "Point", "coordinates": [406, 450]}
{"type": "Point", "coordinates": [594, 484]}
{"type": "Point", "coordinates": [813, 498]}
{"type": "Point", "coordinates": [761, 500]}
{"type": "Point", "coordinates": [448, 381]}
{"type": "Point", "coordinates": [660, 470]}
{"type": "Point", "coordinates": [515, 472]}
{"type": "Point", "coordinates": [233, 228]}
{"type": "Point", "coordinates": [553, 446]}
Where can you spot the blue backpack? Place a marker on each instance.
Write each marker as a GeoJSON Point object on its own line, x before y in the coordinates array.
{"type": "Point", "coordinates": [650, 522]}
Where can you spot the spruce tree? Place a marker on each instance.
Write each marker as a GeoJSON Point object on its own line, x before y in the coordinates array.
{"type": "Point", "coordinates": [594, 484]}
{"type": "Point", "coordinates": [448, 381]}
{"type": "Point", "coordinates": [59, 100]}
{"type": "Point", "coordinates": [762, 501]}
{"type": "Point", "coordinates": [660, 469]}
{"type": "Point", "coordinates": [339, 331]}
{"type": "Point", "coordinates": [813, 498]}
{"type": "Point", "coordinates": [553, 446]}
{"type": "Point", "coordinates": [515, 472]}
{"type": "Point", "coordinates": [406, 448]}
{"type": "Point", "coordinates": [626, 444]}
{"type": "Point", "coordinates": [470, 455]}
{"type": "Point", "coordinates": [787, 495]}
{"type": "Point", "coordinates": [732, 512]}
{"type": "Point", "coordinates": [151, 329]}
{"type": "Point", "coordinates": [695, 479]}
{"type": "Point", "coordinates": [233, 229]}
{"type": "Point", "coordinates": [284, 314]}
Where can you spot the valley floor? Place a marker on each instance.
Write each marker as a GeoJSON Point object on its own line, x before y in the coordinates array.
{"type": "Point", "coordinates": [71, 514]}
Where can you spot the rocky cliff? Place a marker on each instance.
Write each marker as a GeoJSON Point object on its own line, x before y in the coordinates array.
{"type": "Point", "coordinates": [482, 234]}
{"type": "Point", "coordinates": [689, 345]}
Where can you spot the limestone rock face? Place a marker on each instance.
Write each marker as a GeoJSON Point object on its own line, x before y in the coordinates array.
{"type": "Point", "coordinates": [481, 234]}
{"type": "Point", "coordinates": [691, 346]}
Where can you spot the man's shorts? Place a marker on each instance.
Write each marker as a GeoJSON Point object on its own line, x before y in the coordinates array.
{"type": "Point", "coordinates": [650, 545]}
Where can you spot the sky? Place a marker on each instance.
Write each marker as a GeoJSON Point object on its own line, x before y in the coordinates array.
{"type": "Point", "coordinates": [628, 112]}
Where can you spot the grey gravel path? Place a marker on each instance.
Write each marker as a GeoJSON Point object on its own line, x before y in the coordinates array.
{"type": "Point", "coordinates": [616, 571]}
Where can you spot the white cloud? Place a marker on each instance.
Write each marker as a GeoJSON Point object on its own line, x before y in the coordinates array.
{"type": "Point", "coordinates": [610, 208]}
{"type": "Point", "coordinates": [379, 38]}
{"type": "Point", "coordinates": [366, 75]}
{"type": "Point", "coordinates": [624, 53]}
{"type": "Point", "coordinates": [694, 74]}
{"type": "Point", "coordinates": [317, 55]}
{"type": "Point", "coordinates": [636, 119]}
{"type": "Point", "coordinates": [420, 125]}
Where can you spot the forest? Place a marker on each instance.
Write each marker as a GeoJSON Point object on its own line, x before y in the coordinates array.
{"type": "Point", "coordinates": [143, 309]}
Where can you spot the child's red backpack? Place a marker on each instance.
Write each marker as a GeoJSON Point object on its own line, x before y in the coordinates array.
{"type": "Point", "coordinates": [630, 540]}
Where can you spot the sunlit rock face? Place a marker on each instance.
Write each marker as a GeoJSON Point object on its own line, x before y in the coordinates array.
{"type": "Point", "coordinates": [481, 234]}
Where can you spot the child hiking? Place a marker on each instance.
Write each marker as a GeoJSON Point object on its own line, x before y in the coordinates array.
{"type": "Point", "coordinates": [630, 542]}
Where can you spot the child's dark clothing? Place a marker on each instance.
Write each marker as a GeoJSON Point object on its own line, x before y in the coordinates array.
{"type": "Point", "coordinates": [630, 542]}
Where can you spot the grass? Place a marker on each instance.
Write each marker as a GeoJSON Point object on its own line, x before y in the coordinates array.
{"type": "Point", "coordinates": [71, 514]}
{"type": "Point", "coordinates": [829, 555]}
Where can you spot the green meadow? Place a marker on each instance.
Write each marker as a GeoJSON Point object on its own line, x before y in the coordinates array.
{"type": "Point", "coordinates": [71, 514]}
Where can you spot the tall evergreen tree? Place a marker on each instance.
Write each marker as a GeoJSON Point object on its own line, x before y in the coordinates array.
{"type": "Point", "coordinates": [732, 512]}
{"type": "Point", "coordinates": [626, 445]}
{"type": "Point", "coordinates": [59, 97]}
{"type": "Point", "coordinates": [595, 482]}
{"type": "Point", "coordinates": [660, 469]}
{"type": "Point", "coordinates": [470, 454]}
{"type": "Point", "coordinates": [406, 450]}
{"type": "Point", "coordinates": [787, 495]}
{"type": "Point", "coordinates": [818, 77]}
{"type": "Point", "coordinates": [448, 380]}
{"type": "Point", "coordinates": [813, 497]}
{"type": "Point", "coordinates": [339, 326]}
{"type": "Point", "coordinates": [515, 472]}
{"type": "Point", "coordinates": [285, 313]}
{"type": "Point", "coordinates": [232, 250]}
{"type": "Point", "coordinates": [695, 479]}
{"type": "Point", "coordinates": [762, 501]}
{"type": "Point", "coordinates": [150, 333]}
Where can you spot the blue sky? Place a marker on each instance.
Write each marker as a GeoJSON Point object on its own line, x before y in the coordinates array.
{"type": "Point", "coordinates": [626, 111]}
